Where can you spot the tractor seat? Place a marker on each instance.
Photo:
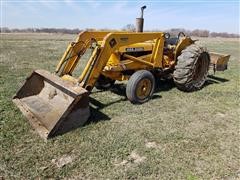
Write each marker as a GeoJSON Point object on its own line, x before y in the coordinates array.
{"type": "Point", "coordinates": [170, 41]}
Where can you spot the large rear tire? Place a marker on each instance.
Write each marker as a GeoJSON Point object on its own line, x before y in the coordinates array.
{"type": "Point", "coordinates": [192, 68]}
{"type": "Point", "coordinates": [140, 87]}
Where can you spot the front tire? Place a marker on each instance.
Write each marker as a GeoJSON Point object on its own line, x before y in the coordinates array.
{"type": "Point", "coordinates": [192, 68]}
{"type": "Point", "coordinates": [140, 87]}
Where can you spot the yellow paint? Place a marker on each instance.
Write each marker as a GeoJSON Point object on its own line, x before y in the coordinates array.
{"type": "Point", "coordinates": [116, 53]}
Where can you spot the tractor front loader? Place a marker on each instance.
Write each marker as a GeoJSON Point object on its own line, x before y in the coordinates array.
{"type": "Point", "coordinates": [56, 103]}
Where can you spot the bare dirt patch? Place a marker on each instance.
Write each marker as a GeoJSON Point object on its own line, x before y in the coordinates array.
{"type": "Point", "coordinates": [62, 161]}
{"type": "Point", "coordinates": [133, 158]}
{"type": "Point", "coordinates": [151, 145]}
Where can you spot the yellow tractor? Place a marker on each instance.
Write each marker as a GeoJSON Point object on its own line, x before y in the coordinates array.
{"type": "Point", "coordinates": [56, 103]}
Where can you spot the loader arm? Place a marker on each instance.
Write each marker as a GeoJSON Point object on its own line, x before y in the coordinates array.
{"type": "Point", "coordinates": [76, 49]}
{"type": "Point", "coordinates": [114, 41]}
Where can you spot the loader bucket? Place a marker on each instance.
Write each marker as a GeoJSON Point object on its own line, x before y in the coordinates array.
{"type": "Point", "coordinates": [52, 105]}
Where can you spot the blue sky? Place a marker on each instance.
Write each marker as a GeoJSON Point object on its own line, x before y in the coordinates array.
{"type": "Point", "coordinates": [214, 15]}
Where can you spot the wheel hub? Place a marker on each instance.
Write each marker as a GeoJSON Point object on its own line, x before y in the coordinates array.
{"type": "Point", "coordinates": [144, 88]}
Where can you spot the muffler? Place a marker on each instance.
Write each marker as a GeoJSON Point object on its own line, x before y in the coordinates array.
{"type": "Point", "coordinates": [52, 105]}
{"type": "Point", "coordinates": [140, 21]}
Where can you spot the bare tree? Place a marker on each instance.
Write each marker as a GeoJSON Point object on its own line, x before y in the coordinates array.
{"type": "Point", "coordinates": [129, 27]}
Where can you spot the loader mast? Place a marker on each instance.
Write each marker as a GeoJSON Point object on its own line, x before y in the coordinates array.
{"type": "Point", "coordinates": [112, 42]}
{"type": "Point", "coordinates": [76, 49]}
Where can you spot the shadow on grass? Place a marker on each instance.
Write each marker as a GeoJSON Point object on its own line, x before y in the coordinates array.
{"type": "Point", "coordinates": [220, 80]}
{"type": "Point", "coordinates": [164, 85]}
{"type": "Point", "coordinates": [97, 116]}
{"type": "Point", "coordinates": [95, 109]}
{"type": "Point", "coordinates": [214, 80]}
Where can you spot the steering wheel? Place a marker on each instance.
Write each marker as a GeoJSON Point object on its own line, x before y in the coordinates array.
{"type": "Point", "coordinates": [181, 34]}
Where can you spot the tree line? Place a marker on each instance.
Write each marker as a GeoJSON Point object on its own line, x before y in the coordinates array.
{"type": "Point", "coordinates": [40, 30]}
{"type": "Point", "coordinates": [196, 32]}
{"type": "Point", "coordinates": [203, 33]}
{"type": "Point", "coordinates": [128, 27]}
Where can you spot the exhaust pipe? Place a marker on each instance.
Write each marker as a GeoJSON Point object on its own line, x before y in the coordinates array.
{"type": "Point", "coordinates": [140, 21]}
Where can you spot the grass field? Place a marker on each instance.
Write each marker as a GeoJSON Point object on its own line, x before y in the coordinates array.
{"type": "Point", "coordinates": [176, 135]}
